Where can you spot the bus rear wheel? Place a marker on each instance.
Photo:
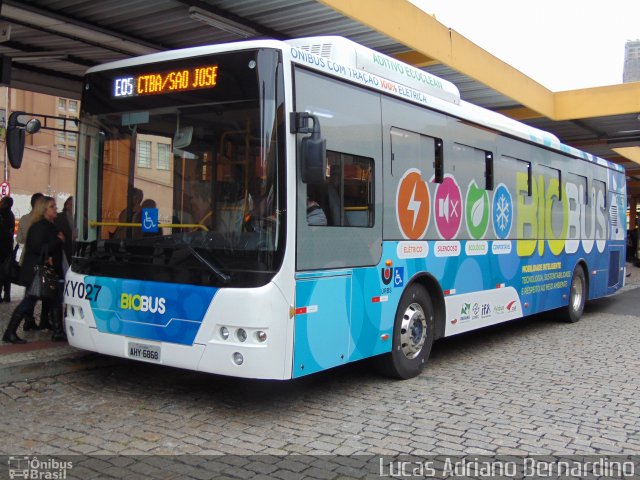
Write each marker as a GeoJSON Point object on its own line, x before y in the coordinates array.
{"type": "Point", "coordinates": [577, 296]}
{"type": "Point", "coordinates": [412, 335]}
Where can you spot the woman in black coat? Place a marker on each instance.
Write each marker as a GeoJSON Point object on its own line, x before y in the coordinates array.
{"type": "Point", "coordinates": [43, 240]}
{"type": "Point", "coordinates": [7, 227]}
{"type": "Point", "coordinates": [64, 224]}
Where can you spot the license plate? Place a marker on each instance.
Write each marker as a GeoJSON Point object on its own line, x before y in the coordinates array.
{"type": "Point", "coordinates": [142, 351]}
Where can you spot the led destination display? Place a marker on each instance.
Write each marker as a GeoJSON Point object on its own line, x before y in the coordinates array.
{"type": "Point", "coordinates": [155, 83]}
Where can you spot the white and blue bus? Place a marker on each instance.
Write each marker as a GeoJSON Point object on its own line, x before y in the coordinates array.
{"type": "Point", "coordinates": [432, 216]}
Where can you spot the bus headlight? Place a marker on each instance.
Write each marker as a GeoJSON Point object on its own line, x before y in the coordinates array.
{"type": "Point", "coordinates": [241, 333]}
{"type": "Point", "coordinates": [238, 359]}
{"type": "Point", "coordinates": [224, 333]}
{"type": "Point", "coordinates": [261, 336]}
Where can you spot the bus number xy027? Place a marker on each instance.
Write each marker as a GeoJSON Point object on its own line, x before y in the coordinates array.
{"type": "Point", "coordinates": [89, 291]}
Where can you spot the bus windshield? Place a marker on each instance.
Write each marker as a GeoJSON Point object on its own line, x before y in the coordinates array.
{"type": "Point", "coordinates": [180, 171]}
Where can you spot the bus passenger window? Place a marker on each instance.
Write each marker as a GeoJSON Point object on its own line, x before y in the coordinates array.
{"type": "Point", "coordinates": [346, 199]}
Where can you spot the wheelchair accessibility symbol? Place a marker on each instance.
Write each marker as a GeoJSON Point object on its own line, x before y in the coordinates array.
{"type": "Point", "coordinates": [150, 220]}
{"type": "Point", "coordinates": [398, 276]}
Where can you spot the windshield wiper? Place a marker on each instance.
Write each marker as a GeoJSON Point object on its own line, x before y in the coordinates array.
{"type": "Point", "coordinates": [223, 276]}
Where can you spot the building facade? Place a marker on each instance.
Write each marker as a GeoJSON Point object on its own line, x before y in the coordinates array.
{"type": "Point", "coordinates": [631, 71]}
{"type": "Point", "coordinates": [49, 161]}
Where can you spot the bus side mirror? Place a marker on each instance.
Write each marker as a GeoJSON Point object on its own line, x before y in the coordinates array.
{"type": "Point", "coordinates": [313, 149]}
{"type": "Point", "coordinates": [17, 128]}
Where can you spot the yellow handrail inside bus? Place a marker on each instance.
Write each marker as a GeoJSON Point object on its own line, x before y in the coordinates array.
{"type": "Point", "coordinates": [93, 223]}
{"type": "Point", "coordinates": [356, 209]}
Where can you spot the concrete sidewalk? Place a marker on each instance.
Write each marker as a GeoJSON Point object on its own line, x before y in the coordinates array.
{"type": "Point", "coordinates": [41, 357]}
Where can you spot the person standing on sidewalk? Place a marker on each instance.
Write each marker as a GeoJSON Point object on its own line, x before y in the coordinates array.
{"type": "Point", "coordinates": [21, 237]}
{"type": "Point", "coordinates": [7, 227]}
{"type": "Point", "coordinates": [43, 236]}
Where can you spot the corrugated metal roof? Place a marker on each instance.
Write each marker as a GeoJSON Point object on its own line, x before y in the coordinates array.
{"type": "Point", "coordinates": [52, 43]}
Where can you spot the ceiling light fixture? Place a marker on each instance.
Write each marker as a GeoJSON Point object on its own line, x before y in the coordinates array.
{"type": "Point", "coordinates": [70, 28]}
{"type": "Point", "coordinates": [221, 23]}
{"type": "Point", "coordinates": [37, 56]}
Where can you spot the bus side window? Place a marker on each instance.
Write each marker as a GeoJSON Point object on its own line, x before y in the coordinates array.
{"type": "Point", "coordinates": [346, 198]}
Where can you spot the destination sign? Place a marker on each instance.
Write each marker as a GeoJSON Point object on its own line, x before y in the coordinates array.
{"type": "Point", "coordinates": [158, 83]}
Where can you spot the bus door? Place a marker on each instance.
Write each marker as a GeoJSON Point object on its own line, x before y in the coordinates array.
{"type": "Point", "coordinates": [338, 226]}
{"type": "Point", "coordinates": [617, 241]}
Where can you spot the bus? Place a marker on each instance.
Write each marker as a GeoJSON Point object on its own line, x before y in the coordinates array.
{"type": "Point", "coordinates": [197, 169]}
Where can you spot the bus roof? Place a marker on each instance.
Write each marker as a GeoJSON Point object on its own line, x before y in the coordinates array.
{"type": "Point", "coordinates": [346, 52]}
{"type": "Point", "coordinates": [368, 67]}
{"type": "Point", "coordinates": [341, 57]}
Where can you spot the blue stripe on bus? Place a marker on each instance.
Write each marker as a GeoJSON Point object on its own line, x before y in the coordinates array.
{"type": "Point", "coordinates": [164, 312]}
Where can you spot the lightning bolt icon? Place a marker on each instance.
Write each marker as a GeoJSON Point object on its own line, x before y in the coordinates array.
{"type": "Point", "coordinates": [414, 205]}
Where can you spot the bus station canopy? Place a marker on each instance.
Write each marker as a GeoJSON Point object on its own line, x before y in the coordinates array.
{"type": "Point", "coordinates": [51, 43]}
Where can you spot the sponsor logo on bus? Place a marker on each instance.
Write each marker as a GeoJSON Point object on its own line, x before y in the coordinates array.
{"type": "Point", "coordinates": [142, 303]}
{"type": "Point", "coordinates": [387, 275]}
{"type": "Point", "coordinates": [465, 312]}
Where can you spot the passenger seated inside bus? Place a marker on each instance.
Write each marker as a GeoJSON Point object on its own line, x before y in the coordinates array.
{"type": "Point", "coordinates": [315, 214]}
{"type": "Point", "coordinates": [232, 202]}
{"type": "Point", "coordinates": [129, 215]}
{"type": "Point", "coordinates": [345, 196]}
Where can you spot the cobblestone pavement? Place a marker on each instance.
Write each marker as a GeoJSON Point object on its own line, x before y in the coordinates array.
{"type": "Point", "coordinates": [533, 386]}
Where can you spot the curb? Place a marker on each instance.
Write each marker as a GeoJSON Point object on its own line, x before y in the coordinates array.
{"type": "Point", "coordinates": [51, 364]}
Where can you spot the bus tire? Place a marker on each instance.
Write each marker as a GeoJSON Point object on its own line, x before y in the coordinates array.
{"type": "Point", "coordinates": [577, 296]}
{"type": "Point", "coordinates": [413, 333]}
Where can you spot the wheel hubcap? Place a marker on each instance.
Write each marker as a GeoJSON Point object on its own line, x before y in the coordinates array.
{"type": "Point", "coordinates": [413, 332]}
{"type": "Point", "coordinates": [577, 291]}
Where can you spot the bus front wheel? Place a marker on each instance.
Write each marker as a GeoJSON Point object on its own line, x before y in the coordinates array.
{"type": "Point", "coordinates": [413, 332]}
{"type": "Point", "coordinates": [577, 296]}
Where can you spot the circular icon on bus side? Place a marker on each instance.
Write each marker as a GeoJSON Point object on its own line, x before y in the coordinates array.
{"type": "Point", "coordinates": [413, 205]}
{"type": "Point", "coordinates": [502, 212]}
{"type": "Point", "coordinates": [448, 208]}
{"type": "Point", "coordinates": [477, 211]}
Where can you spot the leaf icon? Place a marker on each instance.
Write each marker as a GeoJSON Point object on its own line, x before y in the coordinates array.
{"type": "Point", "coordinates": [477, 211]}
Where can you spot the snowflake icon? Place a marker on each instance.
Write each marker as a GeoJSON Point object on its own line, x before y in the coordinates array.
{"type": "Point", "coordinates": [502, 218]}
{"type": "Point", "coordinates": [502, 212]}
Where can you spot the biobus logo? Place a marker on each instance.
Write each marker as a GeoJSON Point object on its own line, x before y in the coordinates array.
{"type": "Point", "coordinates": [142, 303]}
